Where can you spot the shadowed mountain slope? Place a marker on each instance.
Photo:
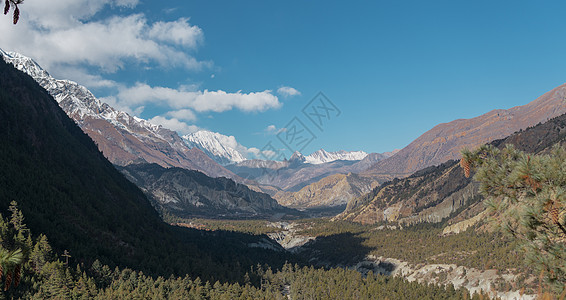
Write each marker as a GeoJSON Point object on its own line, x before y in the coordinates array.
{"type": "Point", "coordinates": [188, 193]}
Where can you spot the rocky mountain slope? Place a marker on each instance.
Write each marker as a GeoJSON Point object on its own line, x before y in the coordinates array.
{"type": "Point", "coordinates": [187, 193]}
{"type": "Point", "coordinates": [123, 139]}
{"type": "Point", "coordinates": [331, 191]}
{"type": "Point", "coordinates": [444, 141]}
{"type": "Point", "coordinates": [442, 192]}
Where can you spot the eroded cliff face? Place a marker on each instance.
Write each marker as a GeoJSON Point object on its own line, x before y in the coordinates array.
{"type": "Point", "coordinates": [474, 280]}
{"type": "Point", "coordinates": [444, 141]}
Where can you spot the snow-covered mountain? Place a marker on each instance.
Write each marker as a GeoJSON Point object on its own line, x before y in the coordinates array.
{"type": "Point", "coordinates": [123, 139]}
{"type": "Point", "coordinates": [78, 102]}
{"type": "Point", "coordinates": [221, 148]}
{"type": "Point", "coordinates": [322, 156]}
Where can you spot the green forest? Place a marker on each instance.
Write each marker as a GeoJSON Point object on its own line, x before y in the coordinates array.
{"type": "Point", "coordinates": [39, 272]}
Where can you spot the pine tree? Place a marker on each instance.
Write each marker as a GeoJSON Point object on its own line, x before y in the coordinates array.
{"type": "Point", "coordinates": [526, 195]}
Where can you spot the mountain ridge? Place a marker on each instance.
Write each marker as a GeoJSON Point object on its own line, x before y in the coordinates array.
{"type": "Point", "coordinates": [442, 192]}
{"type": "Point", "coordinates": [323, 156]}
{"type": "Point", "coordinates": [444, 141]}
{"type": "Point", "coordinates": [123, 139]}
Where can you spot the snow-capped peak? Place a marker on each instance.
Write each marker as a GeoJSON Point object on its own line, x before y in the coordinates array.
{"type": "Point", "coordinates": [297, 157]}
{"type": "Point", "coordinates": [79, 103]}
{"type": "Point", "coordinates": [24, 64]}
{"type": "Point", "coordinates": [322, 156]}
{"type": "Point", "coordinates": [223, 149]}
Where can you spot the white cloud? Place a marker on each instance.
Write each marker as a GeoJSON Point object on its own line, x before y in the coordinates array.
{"type": "Point", "coordinates": [200, 101]}
{"type": "Point", "coordinates": [64, 13]}
{"type": "Point", "coordinates": [62, 35]}
{"type": "Point", "coordinates": [254, 151]}
{"type": "Point", "coordinates": [183, 114]}
{"type": "Point", "coordinates": [287, 91]}
{"type": "Point", "coordinates": [272, 129]}
{"type": "Point", "coordinates": [179, 32]}
{"type": "Point", "coordinates": [219, 101]}
{"type": "Point", "coordinates": [84, 40]}
{"type": "Point", "coordinates": [174, 124]}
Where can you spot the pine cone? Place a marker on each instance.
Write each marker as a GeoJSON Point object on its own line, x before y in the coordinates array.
{"type": "Point", "coordinates": [554, 215]}
{"type": "Point", "coordinates": [1, 272]}
{"type": "Point", "coordinates": [551, 208]}
{"type": "Point", "coordinates": [8, 281]}
{"type": "Point", "coordinates": [6, 7]}
{"type": "Point", "coordinates": [16, 15]}
{"type": "Point", "coordinates": [465, 164]}
{"type": "Point", "coordinates": [17, 275]}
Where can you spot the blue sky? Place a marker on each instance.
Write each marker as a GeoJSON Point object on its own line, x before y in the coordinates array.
{"type": "Point", "coordinates": [395, 69]}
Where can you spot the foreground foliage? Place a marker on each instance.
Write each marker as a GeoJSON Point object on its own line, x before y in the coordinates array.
{"type": "Point", "coordinates": [526, 194]}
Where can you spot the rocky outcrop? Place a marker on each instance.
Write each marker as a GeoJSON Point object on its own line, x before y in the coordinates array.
{"type": "Point", "coordinates": [287, 236]}
{"type": "Point", "coordinates": [474, 280]}
{"type": "Point", "coordinates": [463, 225]}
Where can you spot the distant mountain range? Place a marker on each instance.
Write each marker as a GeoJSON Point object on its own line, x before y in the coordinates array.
{"type": "Point", "coordinates": [126, 140]}
{"type": "Point", "coordinates": [321, 156]}
{"type": "Point", "coordinates": [226, 150]}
